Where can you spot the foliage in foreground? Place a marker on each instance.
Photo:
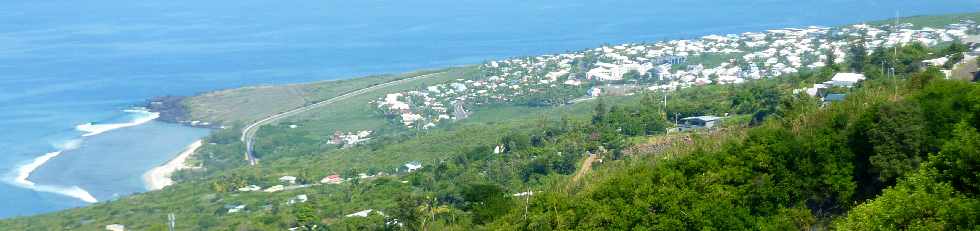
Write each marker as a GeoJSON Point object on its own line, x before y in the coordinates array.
{"type": "Point", "coordinates": [799, 172]}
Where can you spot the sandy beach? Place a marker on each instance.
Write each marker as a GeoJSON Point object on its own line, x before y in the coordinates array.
{"type": "Point", "coordinates": [159, 177]}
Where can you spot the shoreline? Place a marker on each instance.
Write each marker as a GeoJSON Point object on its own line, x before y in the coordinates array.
{"type": "Point", "coordinates": [160, 176]}
{"type": "Point", "coordinates": [24, 171]}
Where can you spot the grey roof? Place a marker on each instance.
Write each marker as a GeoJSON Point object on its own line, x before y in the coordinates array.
{"type": "Point", "coordinates": [834, 97]}
{"type": "Point", "coordinates": [703, 118]}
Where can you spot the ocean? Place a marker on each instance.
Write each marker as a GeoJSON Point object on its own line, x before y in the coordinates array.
{"type": "Point", "coordinates": [72, 71]}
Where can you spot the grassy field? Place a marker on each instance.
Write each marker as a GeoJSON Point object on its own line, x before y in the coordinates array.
{"type": "Point", "coordinates": [359, 113]}
{"type": "Point", "coordinates": [248, 104]}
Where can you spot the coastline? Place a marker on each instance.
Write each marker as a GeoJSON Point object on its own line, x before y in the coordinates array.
{"type": "Point", "coordinates": [171, 109]}
{"type": "Point", "coordinates": [24, 171]}
{"type": "Point", "coordinates": [160, 176]}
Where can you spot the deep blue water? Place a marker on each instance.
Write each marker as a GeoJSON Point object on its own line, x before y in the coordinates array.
{"type": "Point", "coordinates": [69, 62]}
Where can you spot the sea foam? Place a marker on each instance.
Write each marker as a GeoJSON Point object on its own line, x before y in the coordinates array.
{"type": "Point", "coordinates": [24, 172]}
{"type": "Point", "coordinates": [140, 116]}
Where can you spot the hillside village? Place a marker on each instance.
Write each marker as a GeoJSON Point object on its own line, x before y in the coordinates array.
{"type": "Point", "coordinates": [661, 66]}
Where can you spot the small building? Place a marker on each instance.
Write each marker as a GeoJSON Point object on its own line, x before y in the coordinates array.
{"type": "Point", "coordinates": [115, 227]}
{"type": "Point", "coordinates": [698, 122]}
{"type": "Point", "coordinates": [937, 62]}
{"type": "Point", "coordinates": [249, 188]}
{"type": "Point", "coordinates": [332, 179]}
{"type": "Point", "coordinates": [524, 194]}
{"type": "Point", "coordinates": [411, 166]}
{"type": "Point", "coordinates": [364, 213]}
{"type": "Point", "coordinates": [298, 199]}
{"type": "Point", "coordinates": [846, 79]}
{"type": "Point", "coordinates": [275, 188]}
{"type": "Point", "coordinates": [235, 208]}
{"type": "Point", "coordinates": [288, 179]}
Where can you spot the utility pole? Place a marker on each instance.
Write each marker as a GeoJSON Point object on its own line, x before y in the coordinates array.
{"type": "Point", "coordinates": [894, 83]}
{"type": "Point", "coordinates": [895, 58]}
{"type": "Point", "coordinates": [527, 202]}
{"type": "Point", "coordinates": [895, 31]}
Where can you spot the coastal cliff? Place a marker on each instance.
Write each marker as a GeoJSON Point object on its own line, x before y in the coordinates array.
{"type": "Point", "coordinates": [173, 110]}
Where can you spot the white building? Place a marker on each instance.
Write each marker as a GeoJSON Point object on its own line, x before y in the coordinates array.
{"type": "Point", "coordinates": [288, 179]}
{"type": "Point", "coordinates": [846, 79]}
{"type": "Point", "coordinates": [412, 166]}
{"type": "Point", "coordinates": [298, 199]}
{"type": "Point", "coordinates": [249, 188]}
{"type": "Point", "coordinates": [236, 209]}
{"type": "Point", "coordinates": [275, 188]}
{"type": "Point", "coordinates": [115, 227]}
{"type": "Point", "coordinates": [363, 213]}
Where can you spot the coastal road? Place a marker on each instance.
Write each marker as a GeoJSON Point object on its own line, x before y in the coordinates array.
{"type": "Point", "coordinates": [248, 133]}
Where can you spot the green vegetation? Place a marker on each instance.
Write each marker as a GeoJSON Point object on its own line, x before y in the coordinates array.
{"type": "Point", "coordinates": [800, 171]}
{"type": "Point", "coordinates": [901, 152]}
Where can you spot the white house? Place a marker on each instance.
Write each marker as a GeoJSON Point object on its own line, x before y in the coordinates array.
{"type": "Point", "coordinates": [115, 227]}
{"type": "Point", "coordinates": [249, 188]}
{"type": "Point", "coordinates": [236, 209]}
{"type": "Point", "coordinates": [846, 79]}
{"type": "Point", "coordinates": [275, 188]}
{"type": "Point", "coordinates": [288, 179]}
{"type": "Point", "coordinates": [298, 199]}
{"type": "Point", "coordinates": [936, 62]}
{"type": "Point", "coordinates": [332, 179]}
{"type": "Point", "coordinates": [412, 166]}
{"type": "Point", "coordinates": [363, 213]}
{"type": "Point", "coordinates": [697, 122]}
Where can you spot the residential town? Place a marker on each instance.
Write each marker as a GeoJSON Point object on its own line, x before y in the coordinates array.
{"type": "Point", "coordinates": [660, 66]}
{"type": "Point", "coordinates": [621, 69]}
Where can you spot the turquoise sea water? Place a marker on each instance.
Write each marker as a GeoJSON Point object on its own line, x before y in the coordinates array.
{"type": "Point", "coordinates": [65, 63]}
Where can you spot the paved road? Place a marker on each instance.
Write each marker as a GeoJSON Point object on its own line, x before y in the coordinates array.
{"type": "Point", "coordinates": [248, 133]}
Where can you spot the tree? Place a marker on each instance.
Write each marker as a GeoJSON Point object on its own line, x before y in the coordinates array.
{"type": "Point", "coordinates": [486, 201]}
{"type": "Point", "coordinates": [953, 48]}
{"type": "Point", "coordinates": [917, 203]}
{"type": "Point", "coordinates": [898, 138]}
{"type": "Point", "coordinates": [306, 216]}
{"type": "Point", "coordinates": [921, 79]}
{"type": "Point", "coordinates": [599, 112]}
{"type": "Point", "coordinates": [959, 161]}
{"type": "Point", "coordinates": [953, 60]}
{"type": "Point", "coordinates": [858, 57]}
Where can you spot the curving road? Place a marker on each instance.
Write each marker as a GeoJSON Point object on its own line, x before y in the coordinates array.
{"type": "Point", "coordinates": [248, 133]}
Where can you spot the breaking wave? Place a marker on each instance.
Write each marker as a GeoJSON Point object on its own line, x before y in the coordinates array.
{"type": "Point", "coordinates": [24, 172]}
{"type": "Point", "coordinates": [139, 116]}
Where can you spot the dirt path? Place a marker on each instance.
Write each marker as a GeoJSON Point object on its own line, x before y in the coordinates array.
{"type": "Point", "coordinates": [586, 167]}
